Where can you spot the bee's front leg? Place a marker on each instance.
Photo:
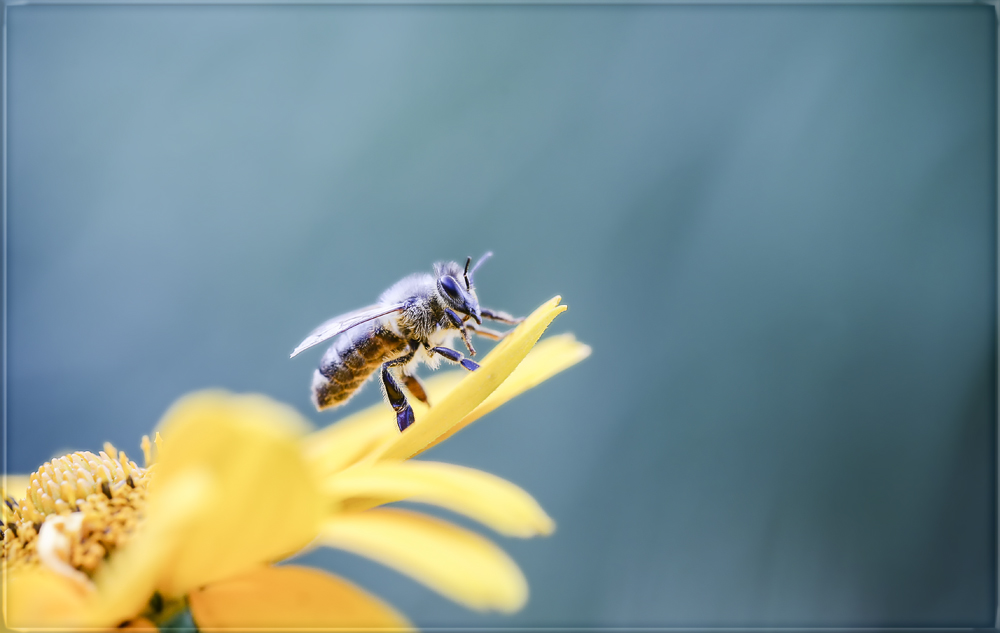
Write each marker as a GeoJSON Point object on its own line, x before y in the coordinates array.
{"type": "Point", "coordinates": [460, 324]}
{"type": "Point", "coordinates": [500, 315]}
{"type": "Point", "coordinates": [487, 332]}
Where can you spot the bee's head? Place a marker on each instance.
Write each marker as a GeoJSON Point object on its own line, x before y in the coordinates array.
{"type": "Point", "coordinates": [456, 288]}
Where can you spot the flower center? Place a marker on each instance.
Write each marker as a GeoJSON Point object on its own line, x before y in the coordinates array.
{"type": "Point", "coordinates": [77, 509]}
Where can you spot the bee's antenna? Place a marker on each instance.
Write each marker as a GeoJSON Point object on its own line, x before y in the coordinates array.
{"type": "Point", "coordinates": [472, 272]}
{"type": "Point", "coordinates": [468, 261]}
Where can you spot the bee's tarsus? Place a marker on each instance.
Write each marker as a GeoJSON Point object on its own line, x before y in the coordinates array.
{"type": "Point", "coordinates": [404, 418]}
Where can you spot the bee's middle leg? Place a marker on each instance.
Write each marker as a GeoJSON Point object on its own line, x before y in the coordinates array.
{"type": "Point", "coordinates": [404, 412]}
{"type": "Point", "coordinates": [455, 356]}
{"type": "Point", "coordinates": [397, 399]}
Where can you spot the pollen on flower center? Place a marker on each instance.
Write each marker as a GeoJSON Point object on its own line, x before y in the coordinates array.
{"type": "Point", "coordinates": [104, 493]}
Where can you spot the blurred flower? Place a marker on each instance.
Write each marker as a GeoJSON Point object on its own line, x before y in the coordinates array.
{"type": "Point", "coordinates": [239, 483]}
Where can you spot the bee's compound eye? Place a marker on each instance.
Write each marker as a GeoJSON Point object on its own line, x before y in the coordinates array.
{"type": "Point", "coordinates": [451, 288]}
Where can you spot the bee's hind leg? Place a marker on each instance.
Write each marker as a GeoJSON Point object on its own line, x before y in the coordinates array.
{"type": "Point", "coordinates": [455, 356]}
{"type": "Point", "coordinates": [500, 315]}
{"type": "Point", "coordinates": [416, 388]}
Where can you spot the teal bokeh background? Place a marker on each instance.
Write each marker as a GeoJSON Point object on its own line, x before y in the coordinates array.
{"type": "Point", "coordinates": [775, 225]}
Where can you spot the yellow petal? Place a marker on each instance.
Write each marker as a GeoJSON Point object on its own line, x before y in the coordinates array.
{"type": "Point", "coordinates": [487, 498]}
{"type": "Point", "coordinates": [127, 581]}
{"type": "Point", "coordinates": [473, 389]}
{"type": "Point", "coordinates": [38, 597]}
{"type": "Point", "coordinates": [123, 586]}
{"type": "Point", "coordinates": [290, 597]}
{"type": "Point", "coordinates": [453, 561]}
{"type": "Point", "coordinates": [548, 358]}
{"type": "Point", "coordinates": [266, 503]}
{"type": "Point", "coordinates": [343, 443]}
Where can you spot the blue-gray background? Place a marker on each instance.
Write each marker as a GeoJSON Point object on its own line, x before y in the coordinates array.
{"type": "Point", "coordinates": [775, 225]}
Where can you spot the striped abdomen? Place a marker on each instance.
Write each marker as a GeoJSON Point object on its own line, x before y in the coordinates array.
{"type": "Point", "coordinates": [351, 360]}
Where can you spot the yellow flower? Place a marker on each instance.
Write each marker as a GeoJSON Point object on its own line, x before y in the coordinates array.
{"type": "Point", "coordinates": [239, 483]}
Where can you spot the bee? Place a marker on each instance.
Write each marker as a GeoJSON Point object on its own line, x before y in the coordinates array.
{"type": "Point", "coordinates": [413, 322]}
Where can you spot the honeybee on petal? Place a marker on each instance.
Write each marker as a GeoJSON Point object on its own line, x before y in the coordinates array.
{"type": "Point", "coordinates": [413, 322]}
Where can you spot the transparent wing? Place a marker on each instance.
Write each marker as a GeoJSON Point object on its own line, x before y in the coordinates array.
{"type": "Point", "coordinates": [344, 322]}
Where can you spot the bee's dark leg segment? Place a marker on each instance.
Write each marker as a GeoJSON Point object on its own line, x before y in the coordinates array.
{"type": "Point", "coordinates": [416, 389]}
{"type": "Point", "coordinates": [405, 418]}
{"type": "Point", "coordinates": [404, 412]}
{"type": "Point", "coordinates": [392, 390]}
{"type": "Point", "coordinates": [456, 357]}
{"type": "Point", "coordinates": [460, 324]}
{"type": "Point", "coordinates": [500, 315]}
{"type": "Point", "coordinates": [487, 332]}
{"type": "Point", "coordinates": [457, 322]}
{"type": "Point", "coordinates": [451, 354]}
